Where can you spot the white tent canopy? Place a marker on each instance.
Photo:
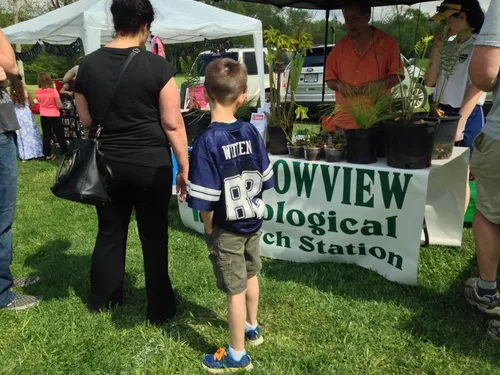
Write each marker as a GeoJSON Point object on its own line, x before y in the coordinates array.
{"type": "Point", "coordinates": [176, 21]}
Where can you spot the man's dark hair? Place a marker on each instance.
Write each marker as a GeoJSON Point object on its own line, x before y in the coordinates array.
{"type": "Point", "coordinates": [473, 12]}
{"type": "Point", "coordinates": [364, 6]}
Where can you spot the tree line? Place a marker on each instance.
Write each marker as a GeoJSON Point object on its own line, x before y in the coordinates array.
{"type": "Point", "coordinates": [407, 25]}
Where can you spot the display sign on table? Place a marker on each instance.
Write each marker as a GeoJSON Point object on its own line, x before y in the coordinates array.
{"type": "Point", "coordinates": [371, 215]}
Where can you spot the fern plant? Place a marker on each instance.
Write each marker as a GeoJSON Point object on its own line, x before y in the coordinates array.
{"type": "Point", "coordinates": [278, 45]}
{"type": "Point", "coordinates": [449, 56]}
{"type": "Point", "coordinates": [368, 108]}
{"type": "Point", "coordinates": [409, 93]}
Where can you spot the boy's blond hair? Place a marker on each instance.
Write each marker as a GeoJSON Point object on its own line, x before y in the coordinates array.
{"type": "Point", "coordinates": [225, 81]}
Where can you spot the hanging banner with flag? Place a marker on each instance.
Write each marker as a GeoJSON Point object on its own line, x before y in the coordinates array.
{"type": "Point", "coordinates": [72, 49]}
{"type": "Point", "coordinates": [32, 54]}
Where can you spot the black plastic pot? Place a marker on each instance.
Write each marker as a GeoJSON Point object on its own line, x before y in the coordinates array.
{"type": "Point", "coordinates": [361, 146]}
{"type": "Point", "coordinates": [295, 152]}
{"type": "Point", "coordinates": [333, 155]}
{"type": "Point", "coordinates": [421, 115]}
{"type": "Point", "coordinates": [277, 141]}
{"type": "Point", "coordinates": [196, 122]}
{"type": "Point", "coordinates": [312, 154]}
{"type": "Point", "coordinates": [410, 145]}
{"type": "Point", "coordinates": [379, 139]}
{"type": "Point", "coordinates": [322, 151]}
{"type": "Point", "coordinates": [445, 136]}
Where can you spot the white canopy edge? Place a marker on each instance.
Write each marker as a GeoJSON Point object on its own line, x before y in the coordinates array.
{"type": "Point", "coordinates": [176, 21]}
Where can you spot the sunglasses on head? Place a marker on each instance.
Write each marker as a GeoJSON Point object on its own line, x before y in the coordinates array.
{"type": "Point", "coordinates": [444, 8]}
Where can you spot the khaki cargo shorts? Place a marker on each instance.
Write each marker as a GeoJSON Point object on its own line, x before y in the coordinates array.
{"type": "Point", "coordinates": [235, 257]}
{"type": "Point", "coordinates": [485, 167]}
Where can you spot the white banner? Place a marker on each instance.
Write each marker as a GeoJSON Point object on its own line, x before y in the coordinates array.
{"type": "Point", "coordinates": [371, 215]}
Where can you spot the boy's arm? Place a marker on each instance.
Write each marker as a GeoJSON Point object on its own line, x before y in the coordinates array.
{"type": "Point", "coordinates": [208, 221]}
{"type": "Point", "coordinates": [205, 183]}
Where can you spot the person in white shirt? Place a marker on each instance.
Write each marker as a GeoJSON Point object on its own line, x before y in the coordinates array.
{"type": "Point", "coordinates": [485, 165]}
{"type": "Point", "coordinates": [460, 95]}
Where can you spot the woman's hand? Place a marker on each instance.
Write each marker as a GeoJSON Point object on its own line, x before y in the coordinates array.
{"type": "Point", "coordinates": [181, 186]}
{"type": "Point", "coordinates": [437, 42]}
{"type": "Point", "coordinates": [460, 129]}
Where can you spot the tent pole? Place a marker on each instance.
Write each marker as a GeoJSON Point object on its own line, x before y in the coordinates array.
{"type": "Point", "coordinates": [327, 16]}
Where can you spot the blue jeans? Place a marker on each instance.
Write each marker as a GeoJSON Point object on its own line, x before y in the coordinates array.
{"type": "Point", "coordinates": [8, 187]}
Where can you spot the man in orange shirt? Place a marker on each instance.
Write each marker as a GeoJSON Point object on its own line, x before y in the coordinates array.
{"type": "Point", "coordinates": [366, 55]}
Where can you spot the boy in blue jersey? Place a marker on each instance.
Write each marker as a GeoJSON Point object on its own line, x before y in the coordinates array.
{"type": "Point", "coordinates": [229, 170]}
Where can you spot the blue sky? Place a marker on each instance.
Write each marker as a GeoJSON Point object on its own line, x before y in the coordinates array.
{"type": "Point", "coordinates": [429, 7]}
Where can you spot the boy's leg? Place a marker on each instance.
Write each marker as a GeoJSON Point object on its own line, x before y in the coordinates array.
{"type": "Point", "coordinates": [237, 315]}
{"type": "Point", "coordinates": [253, 265]}
{"type": "Point", "coordinates": [227, 253]}
{"type": "Point", "coordinates": [252, 299]}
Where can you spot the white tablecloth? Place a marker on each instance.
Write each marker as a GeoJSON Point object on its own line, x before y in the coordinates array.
{"type": "Point", "coordinates": [371, 215]}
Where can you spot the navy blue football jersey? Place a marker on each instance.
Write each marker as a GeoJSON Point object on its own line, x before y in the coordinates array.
{"type": "Point", "coordinates": [228, 171]}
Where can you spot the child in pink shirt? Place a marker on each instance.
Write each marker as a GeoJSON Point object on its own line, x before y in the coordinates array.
{"type": "Point", "coordinates": [50, 116]}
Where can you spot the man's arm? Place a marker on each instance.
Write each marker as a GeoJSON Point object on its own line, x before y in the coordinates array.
{"type": "Point", "coordinates": [7, 57]}
{"type": "Point", "coordinates": [343, 88]}
{"type": "Point", "coordinates": [485, 67]}
{"type": "Point", "coordinates": [390, 81]}
{"type": "Point", "coordinates": [485, 64]}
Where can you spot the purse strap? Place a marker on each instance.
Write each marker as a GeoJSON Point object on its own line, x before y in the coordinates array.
{"type": "Point", "coordinates": [134, 52]}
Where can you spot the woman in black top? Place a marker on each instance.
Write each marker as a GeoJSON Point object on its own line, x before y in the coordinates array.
{"type": "Point", "coordinates": [143, 123]}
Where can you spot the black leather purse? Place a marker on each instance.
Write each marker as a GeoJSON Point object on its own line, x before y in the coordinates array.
{"type": "Point", "coordinates": [83, 175]}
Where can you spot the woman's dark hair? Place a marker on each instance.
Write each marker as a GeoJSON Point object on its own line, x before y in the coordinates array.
{"type": "Point", "coordinates": [17, 91]}
{"type": "Point", "coordinates": [130, 15]}
{"type": "Point", "coordinates": [473, 12]}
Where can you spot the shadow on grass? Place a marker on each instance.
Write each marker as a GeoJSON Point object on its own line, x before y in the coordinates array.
{"type": "Point", "coordinates": [444, 319]}
{"type": "Point", "coordinates": [60, 272]}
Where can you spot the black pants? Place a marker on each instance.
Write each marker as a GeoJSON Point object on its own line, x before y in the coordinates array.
{"type": "Point", "coordinates": [53, 125]}
{"type": "Point", "coordinates": [148, 190]}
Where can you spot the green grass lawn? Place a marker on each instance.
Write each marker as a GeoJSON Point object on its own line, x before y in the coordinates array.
{"type": "Point", "coordinates": [316, 318]}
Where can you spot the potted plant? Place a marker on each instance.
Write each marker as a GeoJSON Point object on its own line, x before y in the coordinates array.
{"type": "Point", "coordinates": [295, 144]}
{"type": "Point", "coordinates": [312, 151]}
{"type": "Point", "coordinates": [196, 120]}
{"type": "Point", "coordinates": [280, 116]}
{"type": "Point", "coordinates": [449, 56]}
{"type": "Point", "coordinates": [410, 135]}
{"type": "Point", "coordinates": [367, 108]}
{"type": "Point", "coordinates": [244, 112]}
{"type": "Point", "coordinates": [335, 146]}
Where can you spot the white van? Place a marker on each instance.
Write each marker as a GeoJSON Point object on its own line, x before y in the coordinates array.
{"type": "Point", "coordinates": [245, 56]}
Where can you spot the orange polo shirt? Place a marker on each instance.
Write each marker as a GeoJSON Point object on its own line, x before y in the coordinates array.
{"type": "Point", "coordinates": [379, 60]}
